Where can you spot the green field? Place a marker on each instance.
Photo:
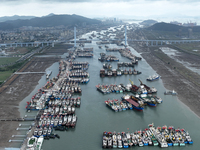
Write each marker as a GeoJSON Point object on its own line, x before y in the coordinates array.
{"type": "Point", "coordinates": [4, 75]}
{"type": "Point", "coordinates": [7, 60]}
{"type": "Point", "coordinates": [7, 71]}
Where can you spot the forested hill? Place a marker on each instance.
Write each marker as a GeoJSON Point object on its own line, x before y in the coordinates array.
{"type": "Point", "coordinates": [48, 21]}
{"type": "Point", "coordinates": [172, 27]}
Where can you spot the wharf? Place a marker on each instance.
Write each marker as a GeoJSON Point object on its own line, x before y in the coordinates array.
{"type": "Point", "coordinates": [19, 119]}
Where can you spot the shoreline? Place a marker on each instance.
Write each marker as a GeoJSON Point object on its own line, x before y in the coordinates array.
{"type": "Point", "coordinates": [173, 79]}
{"type": "Point", "coordinates": [15, 92]}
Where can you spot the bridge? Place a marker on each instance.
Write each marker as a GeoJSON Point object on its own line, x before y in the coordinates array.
{"type": "Point", "coordinates": [148, 42]}
{"type": "Point", "coordinates": [26, 44]}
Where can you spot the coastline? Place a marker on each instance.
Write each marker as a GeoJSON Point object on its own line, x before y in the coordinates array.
{"type": "Point", "coordinates": [40, 64]}
{"type": "Point", "coordinates": [187, 88]}
{"type": "Point", "coordinates": [15, 92]}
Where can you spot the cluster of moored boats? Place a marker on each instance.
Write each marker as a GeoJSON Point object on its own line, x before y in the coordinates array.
{"type": "Point", "coordinates": [56, 104]}
{"type": "Point", "coordinates": [113, 88]}
{"type": "Point", "coordinates": [47, 123]}
{"type": "Point", "coordinates": [78, 72]}
{"type": "Point", "coordinates": [133, 102]}
{"type": "Point", "coordinates": [127, 64]}
{"type": "Point", "coordinates": [151, 136]}
{"type": "Point", "coordinates": [108, 58]}
{"type": "Point", "coordinates": [117, 72]}
{"type": "Point", "coordinates": [85, 52]}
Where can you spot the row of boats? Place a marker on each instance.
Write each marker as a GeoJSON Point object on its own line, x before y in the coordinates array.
{"type": "Point", "coordinates": [118, 72]}
{"type": "Point", "coordinates": [79, 75]}
{"type": "Point", "coordinates": [127, 64]}
{"type": "Point", "coordinates": [151, 136]}
{"type": "Point", "coordinates": [132, 102]}
{"type": "Point", "coordinates": [53, 100]}
{"type": "Point", "coordinates": [113, 88]}
{"type": "Point", "coordinates": [103, 57]}
{"type": "Point", "coordinates": [56, 121]}
{"type": "Point", "coordinates": [56, 104]}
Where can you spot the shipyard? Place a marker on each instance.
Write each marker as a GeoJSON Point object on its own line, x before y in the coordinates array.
{"type": "Point", "coordinates": [78, 90]}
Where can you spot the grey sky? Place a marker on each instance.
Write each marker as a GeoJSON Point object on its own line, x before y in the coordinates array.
{"type": "Point", "coordinates": [104, 8]}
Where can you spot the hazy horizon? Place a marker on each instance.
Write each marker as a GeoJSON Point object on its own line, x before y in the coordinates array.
{"type": "Point", "coordinates": [160, 10]}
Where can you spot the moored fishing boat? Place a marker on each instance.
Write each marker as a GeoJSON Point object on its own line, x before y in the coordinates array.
{"type": "Point", "coordinates": [39, 143]}
{"type": "Point", "coordinates": [114, 138]}
{"type": "Point", "coordinates": [153, 78]}
{"type": "Point", "coordinates": [105, 140]}
{"type": "Point", "coordinates": [119, 140]}
{"type": "Point", "coordinates": [31, 143]}
{"type": "Point", "coordinates": [136, 105]}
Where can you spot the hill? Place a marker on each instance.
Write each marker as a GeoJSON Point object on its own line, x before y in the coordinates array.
{"type": "Point", "coordinates": [148, 22]}
{"type": "Point", "coordinates": [48, 21]}
{"type": "Point", "coordinates": [15, 17]}
{"type": "Point", "coordinates": [172, 27]}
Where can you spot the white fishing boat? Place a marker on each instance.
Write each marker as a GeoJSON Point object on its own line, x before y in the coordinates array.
{"type": "Point", "coordinates": [48, 73]}
{"type": "Point", "coordinates": [31, 143]}
{"type": "Point", "coordinates": [39, 143]}
{"type": "Point", "coordinates": [153, 78]}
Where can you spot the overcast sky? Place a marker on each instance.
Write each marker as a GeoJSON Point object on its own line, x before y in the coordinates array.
{"type": "Point", "coordinates": [103, 8]}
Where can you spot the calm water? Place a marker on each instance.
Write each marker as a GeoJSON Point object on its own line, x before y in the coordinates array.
{"type": "Point", "coordinates": [94, 117]}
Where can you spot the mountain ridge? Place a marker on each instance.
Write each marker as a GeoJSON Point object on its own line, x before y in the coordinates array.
{"type": "Point", "coordinates": [48, 21]}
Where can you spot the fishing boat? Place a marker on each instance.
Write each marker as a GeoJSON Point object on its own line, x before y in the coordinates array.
{"type": "Point", "coordinates": [119, 140]}
{"type": "Point", "coordinates": [31, 143]}
{"type": "Point", "coordinates": [134, 139]}
{"type": "Point", "coordinates": [73, 123]}
{"type": "Point", "coordinates": [188, 139]}
{"type": "Point", "coordinates": [138, 105]}
{"type": "Point", "coordinates": [39, 143]}
{"type": "Point", "coordinates": [114, 139]}
{"type": "Point", "coordinates": [48, 73]}
{"type": "Point", "coordinates": [153, 78]}
{"type": "Point", "coordinates": [170, 92]}
{"type": "Point", "coordinates": [105, 140]}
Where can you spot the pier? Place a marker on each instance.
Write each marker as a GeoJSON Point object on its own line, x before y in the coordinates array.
{"type": "Point", "coordinates": [29, 72]}
{"type": "Point", "coordinates": [19, 119]}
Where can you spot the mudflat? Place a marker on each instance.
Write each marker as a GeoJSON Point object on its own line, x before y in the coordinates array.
{"type": "Point", "coordinates": [175, 75]}
{"type": "Point", "coordinates": [15, 90]}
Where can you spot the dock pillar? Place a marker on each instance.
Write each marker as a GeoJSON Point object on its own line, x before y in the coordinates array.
{"type": "Point", "coordinates": [16, 140]}
{"type": "Point", "coordinates": [151, 43]}
{"type": "Point", "coordinates": [147, 43]}
{"type": "Point", "coordinates": [74, 36]}
{"type": "Point", "coordinates": [156, 43]}
{"type": "Point", "coordinates": [52, 44]}
{"type": "Point", "coordinates": [18, 135]}
{"type": "Point", "coordinates": [125, 36]}
{"type": "Point", "coordinates": [26, 44]}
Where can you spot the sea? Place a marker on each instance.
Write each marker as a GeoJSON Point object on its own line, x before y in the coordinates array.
{"type": "Point", "coordinates": [94, 117]}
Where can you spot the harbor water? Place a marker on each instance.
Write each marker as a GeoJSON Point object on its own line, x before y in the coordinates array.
{"type": "Point", "coordinates": [94, 117]}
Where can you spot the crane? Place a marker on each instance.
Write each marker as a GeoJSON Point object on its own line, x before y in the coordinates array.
{"type": "Point", "coordinates": [131, 82]}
